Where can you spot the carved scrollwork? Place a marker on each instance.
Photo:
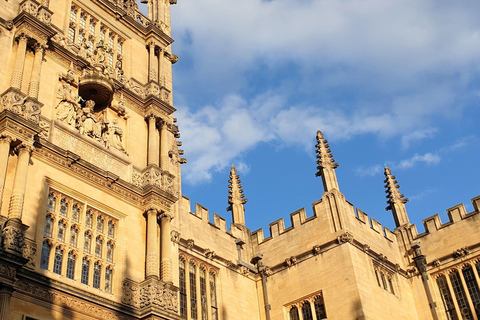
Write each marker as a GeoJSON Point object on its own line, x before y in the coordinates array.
{"type": "Point", "coordinates": [149, 293]}
{"type": "Point", "coordinates": [346, 237]}
{"type": "Point", "coordinates": [13, 238]}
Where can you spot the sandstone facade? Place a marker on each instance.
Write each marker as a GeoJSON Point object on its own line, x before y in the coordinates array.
{"type": "Point", "coordinates": [95, 226]}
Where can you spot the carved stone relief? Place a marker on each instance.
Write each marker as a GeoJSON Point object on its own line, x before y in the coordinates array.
{"type": "Point", "coordinates": [149, 293]}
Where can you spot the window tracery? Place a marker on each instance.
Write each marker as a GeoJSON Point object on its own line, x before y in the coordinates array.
{"type": "Point", "coordinates": [307, 308]}
{"type": "Point", "coordinates": [72, 224]}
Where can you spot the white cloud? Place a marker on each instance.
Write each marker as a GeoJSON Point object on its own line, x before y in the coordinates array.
{"type": "Point", "coordinates": [427, 158]}
{"type": "Point", "coordinates": [417, 135]}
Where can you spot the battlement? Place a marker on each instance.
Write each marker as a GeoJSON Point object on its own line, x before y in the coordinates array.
{"type": "Point", "coordinates": [374, 225]}
{"type": "Point", "coordinates": [455, 214]}
{"type": "Point", "coordinates": [202, 214]}
{"type": "Point", "coordinates": [277, 228]}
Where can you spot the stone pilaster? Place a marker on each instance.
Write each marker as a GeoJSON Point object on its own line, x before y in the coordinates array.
{"type": "Point", "coordinates": [19, 62]}
{"type": "Point", "coordinates": [4, 154]}
{"type": "Point", "coordinates": [152, 244]}
{"type": "Point", "coordinates": [152, 141]}
{"type": "Point", "coordinates": [164, 159]}
{"type": "Point", "coordinates": [5, 297]}
{"type": "Point", "coordinates": [19, 184]}
{"type": "Point", "coordinates": [34, 85]}
{"type": "Point", "coordinates": [153, 72]}
{"type": "Point", "coordinates": [166, 244]}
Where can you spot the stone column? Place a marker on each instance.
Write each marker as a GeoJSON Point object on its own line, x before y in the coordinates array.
{"type": "Point", "coordinates": [152, 73]}
{"type": "Point", "coordinates": [152, 141]}
{"type": "Point", "coordinates": [4, 154]}
{"type": "Point", "coordinates": [164, 145]}
{"type": "Point", "coordinates": [19, 62]}
{"type": "Point", "coordinates": [5, 296]}
{"type": "Point", "coordinates": [152, 244]}
{"type": "Point", "coordinates": [20, 182]}
{"type": "Point", "coordinates": [160, 67]}
{"type": "Point", "coordinates": [34, 85]}
{"type": "Point", "coordinates": [166, 244]}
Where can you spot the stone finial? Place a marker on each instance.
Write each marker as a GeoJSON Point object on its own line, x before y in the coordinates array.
{"type": "Point", "coordinates": [236, 198]}
{"type": "Point", "coordinates": [326, 163]}
{"type": "Point", "coordinates": [395, 200]}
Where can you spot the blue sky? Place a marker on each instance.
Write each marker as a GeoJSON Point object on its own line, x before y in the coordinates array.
{"type": "Point", "coordinates": [393, 82]}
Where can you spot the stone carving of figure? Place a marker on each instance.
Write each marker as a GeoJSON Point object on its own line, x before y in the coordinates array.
{"type": "Point", "coordinates": [83, 51]}
{"type": "Point", "coordinates": [114, 136]}
{"type": "Point", "coordinates": [68, 107]}
{"type": "Point", "coordinates": [100, 53]}
{"type": "Point", "coordinates": [90, 126]}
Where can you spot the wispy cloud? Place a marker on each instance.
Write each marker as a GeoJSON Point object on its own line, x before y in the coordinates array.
{"type": "Point", "coordinates": [417, 135]}
{"type": "Point", "coordinates": [427, 158]}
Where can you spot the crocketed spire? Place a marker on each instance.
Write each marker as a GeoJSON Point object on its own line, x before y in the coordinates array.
{"type": "Point", "coordinates": [236, 198]}
{"type": "Point", "coordinates": [395, 200]}
{"type": "Point", "coordinates": [326, 164]}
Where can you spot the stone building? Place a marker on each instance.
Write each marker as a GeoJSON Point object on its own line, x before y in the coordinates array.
{"type": "Point", "coordinates": [95, 226]}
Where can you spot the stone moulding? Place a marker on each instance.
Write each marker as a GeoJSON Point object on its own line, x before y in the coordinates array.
{"type": "Point", "coordinates": [153, 176]}
{"type": "Point", "coordinates": [150, 293]}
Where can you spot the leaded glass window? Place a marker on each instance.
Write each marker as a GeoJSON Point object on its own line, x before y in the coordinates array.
{"type": "Point", "coordinates": [83, 21]}
{"type": "Point", "coordinates": [320, 308]}
{"type": "Point", "coordinates": [48, 227]}
{"type": "Point", "coordinates": [213, 296]}
{"type": "Point", "coordinates": [294, 313]}
{"type": "Point", "coordinates": [61, 231]}
{"type": "Point", "coordinates": [111, 229]}
{"type": "Point", "coordinates": [92, 28]}
{"type": "Point", "coordinates": [119, 47]}
{"type": "Point", "coordinates": [52, 202]}
{"type": "Point", "coordinates": [71, 34]}
{"type": "Point", "coordinates": [87, 242]}
{"type": "Point", "coordinates": [85, 270]}
{"type": "Point", "coordinates": [71, 265]}
{"type": "Point", "coordinates": [45, 255]}
{"type": "Point", "coordinates": [89, 219]}
{"type": "Point", "coordinates": [73, 236]}
{"type": "Point", "coordinates": [63, 207]}
{"type": "Point", "coordinates": [110, 59]}
{"type": "Point", "coordinates": [98, 247]}
{"type": "Point", "coordinates": [183, 289]}
{"type": "Point", "coordinates": [73, 15]}
{"type": "Point", "coordinates": [99, 224]}
{"type": "Point", "coordinates": [384, 281]}
{"type": "Point", "coordinates": [193, 291]}
{"type": "Point", "coordinates": [96, 275]}
{"type": "Point", "coordinates": [75, 212]}
{"type": "Point", "coordinates": [110, 251]}
{"type": "Point", "coordinates": [460, 295]}
{"type": "Point", "coordinates": [307, 311]}
{"type": "Point", "coordinates": [108, 280]}
{"type": "Point", "coordinates": [446, 298]}
{"type": "Point", "coordinates": [110, 41]}
{"type": "Point", "coordinates": [472, 287]}
{"type": "Point", "coordinates": [203, 294]}
{"type": "Point", "coordinates": [102, 35]}
{"type": "Point", "coordinates": [57, 262]}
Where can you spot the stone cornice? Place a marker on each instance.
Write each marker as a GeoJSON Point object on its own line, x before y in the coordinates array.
{"type": "Point", "coordinates": [27, 23]}
{"type": "Point", "coordinates": [68, 161]}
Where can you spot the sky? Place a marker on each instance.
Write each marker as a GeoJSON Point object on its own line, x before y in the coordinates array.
{"type": "Point", "coordinates": [389, 82]}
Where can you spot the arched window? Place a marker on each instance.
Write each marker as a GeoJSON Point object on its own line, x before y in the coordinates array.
{"type": "Point", "coordinates": [193, 291]}
{"type": "Point", "coordinates": [384, 281]}
{"type": "Point", "coordinates": [45, 255]}
{"type": "Point", "coordinates": [98, 247]}
{"type": "Point", "coordinates": [110, 246]}
{"type": "Point", "coordinates": [75, 212]}
{"type": "Point", "coordinates": [111, 229]}
{"type": "Point", "coordinates": [183, 289]}
{"type": "Point", "coordinates": [390, 283]}
{"type": "Point", "coordinates": [91, 27]}
{"type": "Point", "coordinates": [52, 202]}
{"type": "Point", "coordinates": [73, 236]}
{"type": "Point", "coordinates": [108, 280]}
{"type": "Point", "coordinates": [378, 278]}
{"type": "Point", "coordinates": [61, 231]}
{"type": "Point", "coordinates": [96, 275]}
{"type": "Point", "coordinates": [99, 224]}
{"type": "Point", "coordinates": [203, 293]}
{"type": "Point", "coordinates": [472, 287]}
{"type": "Point", "coordinates": [63, 207]}
{"type": "Point", "coordinates": [446, 298]}
{"type": "Point", "coordinates": [320, 308]}
{"type": "Point", "coordinates": [307, 311]}
{"type": "Point", "coordinates": [57, 262]}
{"type": "Point", "coordinates": [294, 313]}
{"type": "Point", "coordinates": [89, 219]}
{"type": "Point", "coordinates": [87, 243]}
{"type": "Point", "coordinates": [460, 295]}
{"type": "Point", "coordinates": [48, 226]}
{"type": "Point", "coordinates": [71, 265]}
{"type": "Point", "coordinates": [85, 270]}
{"type": "Point", "coordinates": [213, 296]}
